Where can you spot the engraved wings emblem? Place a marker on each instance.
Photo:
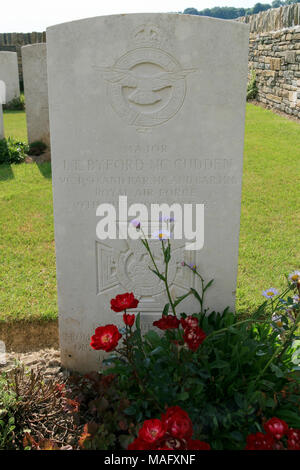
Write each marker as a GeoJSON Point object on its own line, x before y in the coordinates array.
{"type": "Point", "coordinates": [145, 88]}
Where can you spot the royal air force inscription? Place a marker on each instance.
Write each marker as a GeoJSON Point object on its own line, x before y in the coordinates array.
{"type": "Point", "coordinates": [112, 177]}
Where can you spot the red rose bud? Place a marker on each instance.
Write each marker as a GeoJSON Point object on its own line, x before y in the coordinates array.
{"type": "Point", "coordinates": [105, 338]}
{"type": "Point", "coordinates": [167, 322]}
{"type": "Point", "coordinates": [193, 337]}
{"type": "Point", "coordinates": [260, 441]}
{"type": "Point", "coordinates": [194, 444]}
{"type": "Point", "coordinates": [152, 430]}
{"type": "Point", "coordinates": [178, 423]}
{"type": "Point", "coordinates": [128, 319]}
{"type": "Point", "coordinates": [123, 302]}
{"type": "Point", "coordinates": [276, 427]}
{"type": "Point", "coordinates": [189, 322]}
{"type": "Point", "coordinates": [293, 441]}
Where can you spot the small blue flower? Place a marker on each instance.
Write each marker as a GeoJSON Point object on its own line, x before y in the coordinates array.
{"type": "Point", "coordinates": [161, 235]}
{"type": "Point", "coordinates": [136, 223]}
{"type": "Point", "coordinates": [294, 276]}
{"type": "Point", "coordinates": [270, 293]}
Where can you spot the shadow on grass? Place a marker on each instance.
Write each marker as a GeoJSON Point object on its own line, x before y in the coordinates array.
{"type": "Point", "coordinates": [6, 172]}
{"type": "Point", "coordinates": [45, 169]}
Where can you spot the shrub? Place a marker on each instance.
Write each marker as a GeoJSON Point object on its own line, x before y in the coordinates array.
{"type": "Point", "coordinates": [225, 373]}
{"type": "Point", "coordinates": [102, 406]}
{"type": "Point", "coordinates": [252, 87]}
{"type": "Point", "coordinates": [7, 421]}
{"type": "Point", "coordinates": [12, 151]}
{"type": "Point", "coordinates": [16, 104]}
{"type": "Point", "coordinates": [42, 409]}
{"type": "Point", "coordinates": [37, 148]}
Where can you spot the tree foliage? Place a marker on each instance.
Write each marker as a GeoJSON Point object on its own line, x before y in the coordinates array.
{"type": "Point", "coordinates": [229, 13]}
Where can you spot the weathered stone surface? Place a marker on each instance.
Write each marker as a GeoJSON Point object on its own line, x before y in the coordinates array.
{"type": "Point", "coordinates": [14, 41]}
{"type": "Point", "coordinates": [277, 69]}
{"type": "Point", "coordinates": [9, 74]}
{"type": "Point", "coordinates": [117, 129]}
{"type": "Point", "coordinates": [34, 59]}
{"type": "Point", "coordinates": [290, 57]}
{"type": "Point", "coordinates": [275, 64]}
{"type": "Point", "coordinates": [273, 19]}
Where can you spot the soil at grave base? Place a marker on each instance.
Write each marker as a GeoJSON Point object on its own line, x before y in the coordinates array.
{"type": "Point", "coordinates": [22, 337]}
{"type": "Point", "coordinates": [44, 157]}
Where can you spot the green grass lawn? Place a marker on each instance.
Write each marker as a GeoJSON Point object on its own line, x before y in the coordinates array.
{"type": "Point", "coordinates": [270, 220]}
{"type": "Point", "coordinates": [15, 125]}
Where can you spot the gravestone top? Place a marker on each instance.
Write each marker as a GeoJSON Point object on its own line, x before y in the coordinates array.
{"type": "Point", "coordinates": [155, 114]}
{"type": "Point", "coordinates": [34, 61]}
{"type": "Point", "coordinates": [9, 74]}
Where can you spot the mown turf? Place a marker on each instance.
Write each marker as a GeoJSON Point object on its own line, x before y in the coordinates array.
{"type": "Point", "coordinates": [270, 217]}
{"type": "Point", "coordinates": [15, 125]}
{"type": "Point", "coordinates": [27, 259]}
{"type": "Point", "coordinates": [270, 220]}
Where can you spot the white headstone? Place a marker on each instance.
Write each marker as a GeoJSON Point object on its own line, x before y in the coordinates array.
{"type": "Point", "coordinates": [34, 60]}
{"type": "Point", "coordinates": [9, 74]}
{"type": "Point", "coordinates": [150, 106]}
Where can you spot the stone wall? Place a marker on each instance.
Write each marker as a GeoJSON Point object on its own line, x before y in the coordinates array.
{"type": "Point", "coordinates": [274, 55]}
{"type": "Point", "coordinates": [14, 42]}
{"type": "Point", "coordinates": [275, 58]}
{"type": "Point", "coordinates": [273, 19]}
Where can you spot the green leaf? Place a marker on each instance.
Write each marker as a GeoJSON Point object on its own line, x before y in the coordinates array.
{"type": "Point", "coordinates": [166, 309]}
{"type": "Point", "coordinates": [156, 351]}
{"type": "Point", "coordinates": [208, 285]}
{"type": "Point", "coordinates": [167, 254]}
{"type": "Point", "coordinates": [183, 396]}
{"type": "Point", "coordinates": [138, 321]}
{"type": "Point", "coordinates": [278, 372]}
{"type": "Point", "coordinates": [157, 274]}
{"type": "Point", "coordinates": [179, 299]}
{"type": "Point", "coordinates": [195, 293]}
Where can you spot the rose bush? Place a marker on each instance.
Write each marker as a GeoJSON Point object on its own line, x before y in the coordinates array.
{"type": "Point", "coordinates": [277, 436]}
{"type": "Point", "coordinates": [172, 432]}
{"type": "Point", "coordinates": [224, 372]}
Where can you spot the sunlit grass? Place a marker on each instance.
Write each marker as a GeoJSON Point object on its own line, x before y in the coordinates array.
{"type": "Point", "coordinates": [270, 220]}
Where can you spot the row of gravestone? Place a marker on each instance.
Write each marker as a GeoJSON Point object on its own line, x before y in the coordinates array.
{"type": "Point", "coordinates": [148, 106]}
{"type": "Point", "coordinates": [34, 61]}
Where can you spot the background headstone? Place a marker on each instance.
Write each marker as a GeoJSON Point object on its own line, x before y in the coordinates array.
{"type": "Point", "coordinates": [2, 101]}
{"type": "Point", "coordinates": [9, 74]}
{"type": "Point", "coordinates": [150, 106]}
{"type": "Point", "coordinates": [34, 60]}
{"type": "Point", "coordinates": [1, 122]}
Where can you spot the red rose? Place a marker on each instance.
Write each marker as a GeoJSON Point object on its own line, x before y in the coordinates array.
{"type": "Point", "coordinates": [193, 337]}
{"type": "Point", "coordinates": [167, 322]}
{"type": "Point", "coordinates": [293, 439]}
{"type": "Point", "coordinates": [194, 444]}
{"type": "Point", "coordinates": [106, 338]}
{"type": "Point", "coordinates": [152, 430]}
{"type": "Point", "coordinates": [178, 423]}
{"type": "Point", "coordinates": [276, 427]}
{"type": "Point", "coordinates": [139, 444]}
{"type": "Point", "coordinates": [123, 302]}
{"type": "Point", "coordinates": [259, 441]}
{"type": "Point", "coordinates": [189, 322]}
{"type": "Point", "coordinates": [128, 319]}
